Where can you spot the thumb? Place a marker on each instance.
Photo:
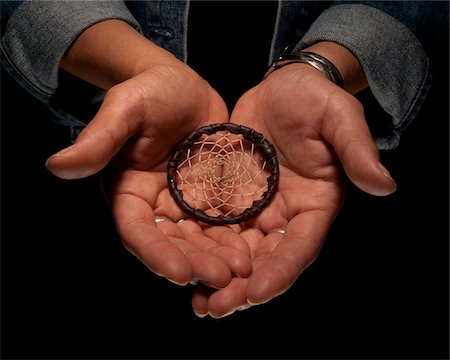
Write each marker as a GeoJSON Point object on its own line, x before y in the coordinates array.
{"type": "Point", "coordinates": [345, 128]}
{"type": "Point", "coordinates": [97, 143]}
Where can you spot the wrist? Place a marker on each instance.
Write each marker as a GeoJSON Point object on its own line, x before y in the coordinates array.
{"type": "Point", "coordinates": [318, 62]}
{"type": "Point", "coordinates": [112, 51]}
{"type": "Point", "coordinates": [347, 64]}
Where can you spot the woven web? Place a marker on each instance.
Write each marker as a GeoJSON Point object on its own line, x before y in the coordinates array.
{"type": "Point", "coordinates": [222, 174]}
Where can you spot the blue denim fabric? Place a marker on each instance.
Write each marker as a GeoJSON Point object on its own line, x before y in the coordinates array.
{"type": "Point", "coordinates": [164, 22]}
{"type": "Point", "coordinates": [390, 38]}
{"type": "Point", "coordinates": [35, 36]}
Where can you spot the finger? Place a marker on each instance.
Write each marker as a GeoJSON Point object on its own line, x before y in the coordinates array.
{"type": "Point", "coordinates": [228, 236]}
{"type": "Point", "coordinates": [226, 301]}
{"type": "Point", "coordinates": [223, 302]}
{"type": "Point", "coordinates": [239, 264]}
{"type": "Point", "coordinates": [136, 225]}
{"type": "Point", "coordinates": [206, 268]}
{"type": "Point", "coordinates": [200, 299]}
{"type": "Point", "coordinates": [237, 261]}
{"type": "Point", "coordinates": [299, 247]}
{"type": "Point", "coordinates": [211, 264]}
{"type": "Point", "coordinates": [346, 129]}
{"type": "Point", "coordinates": [115, 122]}
{"type": "Point", "coordinates": [233, 249]}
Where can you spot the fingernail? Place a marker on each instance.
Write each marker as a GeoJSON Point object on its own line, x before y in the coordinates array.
{"type": "Point", "coordinates": [58, 154]}
{"type": "Point", "coordinates": [63, 151]}
{"type": "Point", "coordinates": [200, 315]}
{"type": "Point", "coordinates": [244, 307]}
{"type": "Point", "coordinates": [238, 308]}
{"type": "Point", "coordinates": [223, 315]}
{"type": "Point", "coordinates": [387, 174]}
{"type": "Point", "coordinates": [177, 282]}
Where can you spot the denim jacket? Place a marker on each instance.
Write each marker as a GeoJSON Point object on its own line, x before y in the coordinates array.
{"type": "Point", "coordinates": [391, 39]}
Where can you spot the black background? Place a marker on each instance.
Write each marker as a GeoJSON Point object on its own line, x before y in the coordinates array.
{"type": "Point", "coordinates": [379, 288]}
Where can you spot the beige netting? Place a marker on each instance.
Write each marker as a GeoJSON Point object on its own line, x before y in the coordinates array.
{"type": "Point", "coordinates": [222, 174]}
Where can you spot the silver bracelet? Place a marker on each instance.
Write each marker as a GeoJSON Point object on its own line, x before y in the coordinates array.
{"type": "Point", "coordinates": [317, 61]}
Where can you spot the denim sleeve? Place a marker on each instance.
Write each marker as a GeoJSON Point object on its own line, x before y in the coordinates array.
{"type": "Point", "coordinates": [37, 34]}
{"type": "Point", "coordinates": [391, 41]}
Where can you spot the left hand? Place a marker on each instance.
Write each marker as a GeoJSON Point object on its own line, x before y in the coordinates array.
{"type": "Point", "coordinates": [318, 130]}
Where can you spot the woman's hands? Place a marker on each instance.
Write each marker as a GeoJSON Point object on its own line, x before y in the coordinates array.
{"type": "Point", "coordinates": [154, 100]}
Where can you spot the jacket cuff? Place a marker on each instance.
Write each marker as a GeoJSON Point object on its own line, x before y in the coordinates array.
{"type": "Point", "coordinates": [39, 33]}
{"type": "Point", "coordinates": [393, 60]}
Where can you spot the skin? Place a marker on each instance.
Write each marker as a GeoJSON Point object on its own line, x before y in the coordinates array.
{"type": "Point", "coordinates": [318, 129]}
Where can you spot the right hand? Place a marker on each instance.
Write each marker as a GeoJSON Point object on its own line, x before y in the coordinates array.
{"type": "Point", "coordinates": [131, 137]}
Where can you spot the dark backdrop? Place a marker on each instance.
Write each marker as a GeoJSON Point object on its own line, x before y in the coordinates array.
{"type": "Point", "coordinates": [379, 288]}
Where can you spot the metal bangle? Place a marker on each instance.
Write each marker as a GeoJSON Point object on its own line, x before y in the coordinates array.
{"type": "Point", "coordinates": [326, 67]}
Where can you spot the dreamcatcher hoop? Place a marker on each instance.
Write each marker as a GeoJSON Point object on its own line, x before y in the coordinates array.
{"type": "Point", "coordinates": [223, 174]}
